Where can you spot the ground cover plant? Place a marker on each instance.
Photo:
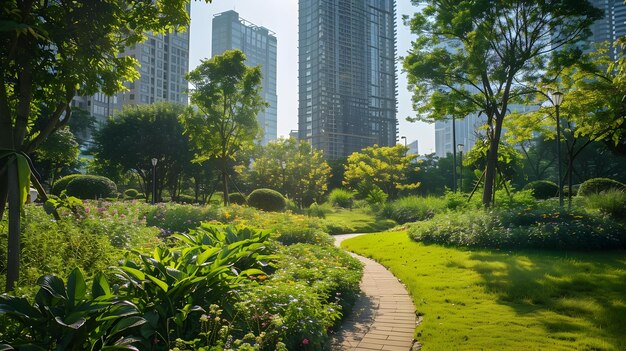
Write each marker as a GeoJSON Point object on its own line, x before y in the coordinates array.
{"type": "Point", "coordinates": [486, 299]}
{"type": "Point", "coordinates": [209, 286]}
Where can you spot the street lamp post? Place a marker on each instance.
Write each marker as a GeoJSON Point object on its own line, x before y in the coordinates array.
{"type": "Point", "coordinates": [406, 150]}
{"type": "Point", "coordinates": [154, 191]}
{"type": "Point", "coordinates": [557, 100]}
{"type": "Point", "coordinates": [453, 154]}
{"type": "Point", "coordinates": [460, 148]}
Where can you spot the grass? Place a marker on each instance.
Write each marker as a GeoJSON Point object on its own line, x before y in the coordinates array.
{"type": "Point", "coordinates": [488, 300]}
{"type": "Point", "coordinates": [357, 220]}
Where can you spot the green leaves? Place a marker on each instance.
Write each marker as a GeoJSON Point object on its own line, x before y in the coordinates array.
{"type": "Point", "coordinates": [23, 171]}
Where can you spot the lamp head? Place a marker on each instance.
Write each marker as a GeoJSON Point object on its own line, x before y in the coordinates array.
{"type": "Point", "coordinates": [557, 98]}
{"type": "Point", "coordinates": [154, 161]}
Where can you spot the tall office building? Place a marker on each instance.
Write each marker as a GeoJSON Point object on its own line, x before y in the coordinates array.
{"type": "Point", "coordinates": [347, 74]}
{"type": "Point", "coordinates": [259, 44]}
{"type": "Point", "coordinates": [612, 26]}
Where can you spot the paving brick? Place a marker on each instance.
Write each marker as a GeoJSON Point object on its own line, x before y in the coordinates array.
{"type": "Point", "coordinates": [384, 315]}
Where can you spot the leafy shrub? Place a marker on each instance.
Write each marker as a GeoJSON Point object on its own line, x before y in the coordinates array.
{"type": "Point", "coordinates": [62, 183]}
{"type": "Point", "coordinates": [330, 271]}
{"type": "Point", "coordinates": [173, 283]}
{"type": "Point", "coordinates": [179, 218]}
{"type": "Point", "coordinates": [237, 198]}
{"type": "Point", "coordinates": [610, 202]}
{"type": "Point", "coordinates": [544, 228]}
{"type": "Point", "coordinates": [320, 211]}
{"type": "Point", "coordinates": [185, 199]}
{"type": "Point", "coordinates": [267, 200]}
{"type": "Point", "coordinates": [287, 311]}
{"type": "Point", "coordinates": [65, 317]}
{"type": "Point", "coordinates": [131, 193]}
{"type": "Point", "coordinates": [341, 198]}
{"type": "Point", "coordinates": [411, 209]}
{"type": "Point", "coordinates": [376, 198]}
{"type": "Point", "coordinates": [597, 185]}
{"type": "Point", "coordinates": [91, 187]}
{"type": "Point", "coordinates": [543, 189]}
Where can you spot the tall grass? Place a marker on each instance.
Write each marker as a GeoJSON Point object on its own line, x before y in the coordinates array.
{"type": "Point", "coordinates": [341, 198]}
{"type": "Point", "coordinates": [610, 202]}
{"type": "Point", "coordinates": [413, 208]}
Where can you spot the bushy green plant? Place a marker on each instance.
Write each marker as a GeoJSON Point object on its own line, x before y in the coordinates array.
{"type": "Point", "coordinates": [267, 200]}
{"type": "Point", "coordinates": [540, 227]}
{"type": "Point", "coordinates": [598, 185]}
{"type": "Point", "coordinates": [610, 202]}
{"type": "Point", "coordinates": [62, 183]}
{"type": "Point", "coordinates": [91, 187]}
{"type": "Point", "coordinates": [341, 198]}
{"type": "Point", "coordinates": [131, 193]}
{"type": "Point", "coordinates": [331, 272]}
{"type": "Point", "coordinates": [185, 199]}
{"type": "Point", "coordinates": [287, 311]}
{"type": "Point", "coordinates": [237, 198]}
{"type": "Point", "coordinates": [66, 317]}
{"type": "Point", "coordinates": [413, 208]}
{"type": "Point", "coordinates": [543, 189]}
{"type": "Point", "coordinates": [317, 210]}
{"type": "Point", "coordinates": [179, 218]}
{"type": "Point", "coordinates": [376, 198]}
{"type": "Point", "coordinates": [175, 282]}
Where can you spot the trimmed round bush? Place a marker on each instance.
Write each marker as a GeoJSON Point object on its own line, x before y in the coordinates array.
{"type": "Point", "coordinates": [61, 184]}
{"type": "Point", "coordinates": [267, 200]}
{"type": "Point", "coordinates": [237, 198]}
{"type": "Point", "coordinates": [131, 193]}
{"type": "Point", "coordinates": [543, 189]}
{"type": "Point", "coordinates": [598, 185]}
{"type": "Point", "coordinates": [91, 187]}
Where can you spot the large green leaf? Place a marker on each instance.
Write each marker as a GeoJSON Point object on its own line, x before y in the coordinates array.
{"type": "Point", "coordinates": [76, 286]}
{"type": "Point", "coordinates": [100, 286]}
{"type": "Point", "coordinates": [52, 285]}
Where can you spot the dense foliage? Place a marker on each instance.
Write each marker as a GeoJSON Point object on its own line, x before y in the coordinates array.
{"type": "Point", "coordinates": [541, 227]}
{"type": "Point", "coordinates": [598, 185]}
{"type": "Point", "coordinates": [412, 209]}
{"type": "Point", "coordinates": [341, 198]}
{"type": "Point", "coordinates": [62, 183]}
{"type": "Point", "coordinates": [543, 189]}
{"type": "Point", "coordinates": [91, 187]}
{"type": "Point", "coordinates": [267, 200]}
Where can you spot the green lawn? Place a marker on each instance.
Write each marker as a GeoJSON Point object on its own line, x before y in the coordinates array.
{"type": "Point", "coordinates": [491, 300]}
{"type": "Point", "coordinates": [357, 220]}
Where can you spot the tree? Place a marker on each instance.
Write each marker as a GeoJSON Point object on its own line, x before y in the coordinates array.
{"type": "Point", "coordinates": [383, 168]}
{"type": "Point", "coordinates": [227, 94]}
{"type": "Point", "coordinates": [58, 150]}
{"type": "Point", "coordinates": [294, 168]}
{"type": "Point", "coordinates": [52, 51]}
{"type": "Point", "coordinates": [131, 139]}
{"type": "Point", "coordinates": [481, 56]}
{"type": "Point", "coordinates": [592, 109]}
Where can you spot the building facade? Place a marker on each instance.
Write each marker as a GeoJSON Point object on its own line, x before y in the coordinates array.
{"type": "Point", "coordinates": [163, 65]}
{"type": "Point", "coordinates": [347, 74]}
{"type": "Point", "coordinates": [260, 46]}
{"type": "Point", "coordinates": [611, 27]}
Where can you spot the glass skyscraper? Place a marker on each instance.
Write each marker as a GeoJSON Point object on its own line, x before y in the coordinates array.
{"type": "Point", "coordinates": [612, 26]}
{"type": "Point", "coordinates": [259, 44]}
{"type": "Point", "coordinates": [347, 74]}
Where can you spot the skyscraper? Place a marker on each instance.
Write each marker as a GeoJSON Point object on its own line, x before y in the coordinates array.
{"type": "Point", "coordinates": [259, 44]}
{"type": "Point", "coordinates": [612, 26]}
{"type": "Point", "coordinates": [347, 74]}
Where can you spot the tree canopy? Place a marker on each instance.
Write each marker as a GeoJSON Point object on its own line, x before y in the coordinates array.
{"type": "Point", "coordinates": [139, 133]}
{"type": "Point", "coordinates": [383, 168]}
{"type": "Point", "coordinates": [294, 168]}
{"type": "Point", "coordinates": [482, 56]}
{"type": "Point", "coordinates": [227, 94]}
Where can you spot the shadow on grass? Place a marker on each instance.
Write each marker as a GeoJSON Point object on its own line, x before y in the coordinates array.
{"type": "Point", "coordinates": [572, 292]}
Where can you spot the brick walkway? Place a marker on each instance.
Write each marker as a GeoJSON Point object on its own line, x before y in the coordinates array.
{"type": "Point", "coordinates": [384, 315]}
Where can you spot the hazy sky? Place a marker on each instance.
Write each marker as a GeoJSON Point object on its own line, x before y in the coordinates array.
{"type": "Point", "coordinates": [281, 17]}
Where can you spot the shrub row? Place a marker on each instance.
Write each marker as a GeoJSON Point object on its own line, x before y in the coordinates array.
{"type": "Point", "coordinates": [542, 228]}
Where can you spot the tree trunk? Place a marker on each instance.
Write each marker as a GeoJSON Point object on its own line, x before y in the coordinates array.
{"type": "Point", "coordinates": [3, 187]}
{"type": "Point", "coordinates": [225, 181]}
{"type": "Point", "coordinates": [13, 255]}
{"type": "Point", "coordinates": [492, 164]}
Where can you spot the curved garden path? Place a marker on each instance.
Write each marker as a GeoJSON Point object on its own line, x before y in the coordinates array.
{"type": "Point", "coordinates": [384, 315]}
